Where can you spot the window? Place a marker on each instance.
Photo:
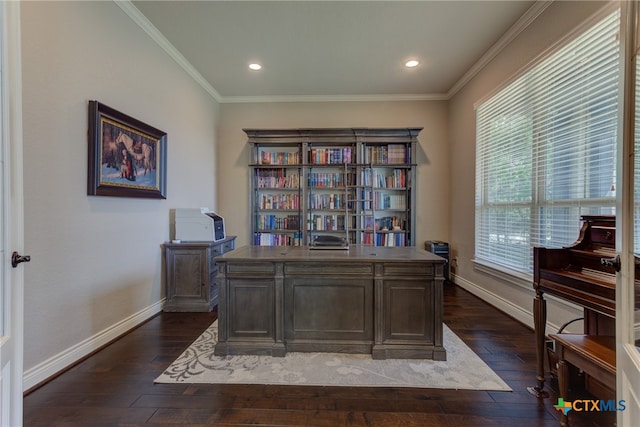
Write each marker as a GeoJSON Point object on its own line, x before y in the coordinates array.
{"type": "Point", "coordinates": [546, 150]}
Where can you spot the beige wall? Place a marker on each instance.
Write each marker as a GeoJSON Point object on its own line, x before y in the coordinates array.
{"type": "Point", "coordinates": [512, 295]}
{"type": "Point", "coordinates": [432, 220]}
{"type": "Point", "coordinates": [96, 261]}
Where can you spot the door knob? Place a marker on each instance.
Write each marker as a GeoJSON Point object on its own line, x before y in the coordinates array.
{"type": "Point", "coordinates": [16, 259]}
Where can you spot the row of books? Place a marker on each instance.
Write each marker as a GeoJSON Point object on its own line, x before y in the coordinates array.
{"type": "Point", "coordinates": [279, 201]}
{"type": "Point", "coordinates": [330, 222]}
{"type": "Point", "coordinates": [397, 179]}
{"type": "Point", "coordinates": [390, 223]}
{"type": "Point", "coordinates": [387, 154]}
{"type": "Point", "coordinates": [331, 179]}
{"type": "Point", "coordinates": [326, 222]}
{"type": "Point", "coordinates": [274, 222]}
{"type": "Point", "coordinates": [383, 201]}
{"type": "Point", "coordinates": [383, 224]}
{"type": "Point", "coordinates": [327, 201]}
{"type": "Point", "coordinates": [276, 178]}
{"type": "Point", "coordinates": [271, 239]}
{"type": "Point", "coordinates": [383, 239]}
{"type": "Point", "coordinates": [369, 200]}
{"type": "Point", "coordinates": [380, 201]}
{"type": "Point", "coordinates": [376, 154]}
{"type": "Point", "coordinates": [331, 156]}
{"type": "Point", "coordinates": [279, 158]}
{"type": "Point", "coordinates": [375, 178]}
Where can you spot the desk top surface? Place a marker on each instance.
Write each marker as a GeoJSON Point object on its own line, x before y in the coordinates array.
{"type": "Point", "coordinates": [354, 253]}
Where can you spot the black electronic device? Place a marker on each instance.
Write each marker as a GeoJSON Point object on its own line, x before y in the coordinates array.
{"type": "Point", "coordinates": [218, 226]}
{"type": "Point", "coordinates": [329, 242]}
{"type": "Point", "coordinates": [441, 249]}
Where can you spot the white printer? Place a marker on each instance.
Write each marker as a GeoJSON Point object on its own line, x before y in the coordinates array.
{"type": "Point", "coordinates": [199, 225]}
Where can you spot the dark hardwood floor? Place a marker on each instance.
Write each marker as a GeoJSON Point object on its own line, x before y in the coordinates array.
{"type": "Point", "coordinates": [115, 386]}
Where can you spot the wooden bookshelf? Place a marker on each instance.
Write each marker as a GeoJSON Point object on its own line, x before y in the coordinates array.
{"type": "Point", "coordinates": [356, 183]}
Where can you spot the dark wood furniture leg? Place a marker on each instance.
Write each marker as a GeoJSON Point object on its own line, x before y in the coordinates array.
{"type": "Point", "coordinates": [563, 383]}
{"type": "Point", "coordinates": [540, 321]}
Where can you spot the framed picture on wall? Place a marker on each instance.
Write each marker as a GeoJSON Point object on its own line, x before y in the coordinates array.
{"type": "Point", "coordinates": [127, 158]}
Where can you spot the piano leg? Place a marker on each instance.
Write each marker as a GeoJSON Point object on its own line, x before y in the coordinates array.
{"type": "Point", "coordinates": [563, 385]}
{"type": "Point", "coordinates": [540, 321]}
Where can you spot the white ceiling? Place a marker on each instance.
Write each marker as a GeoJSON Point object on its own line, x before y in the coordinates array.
{"type": "Point", "coordinates": [346, 49]}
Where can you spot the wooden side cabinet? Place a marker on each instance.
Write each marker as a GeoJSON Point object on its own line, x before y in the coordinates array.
{"type": "Point", "coordinates": [191, 274]}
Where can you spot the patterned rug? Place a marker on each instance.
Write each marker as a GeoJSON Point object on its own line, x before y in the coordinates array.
{"type": "Point", "coordinates": [463, 369]}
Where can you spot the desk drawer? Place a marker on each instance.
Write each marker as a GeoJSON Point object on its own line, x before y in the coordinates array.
{"type": "Point", "coordinates": [250, 269]}
{"type": "Point", "coordinates": [222, 248]}
{"type": "Point", "coordinates": [316, 269]}
{"type": "Point", "coordinates": [228, 246]}
{"type": "Point", "coordinates": [407, 269]}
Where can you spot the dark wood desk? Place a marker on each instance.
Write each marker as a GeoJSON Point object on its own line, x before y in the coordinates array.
{"type": "Point", "coordinates": [191, 274]}
{"type": "Point", "coordinates": [378, 300]}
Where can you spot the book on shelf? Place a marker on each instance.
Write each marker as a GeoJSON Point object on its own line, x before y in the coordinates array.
{"type": "Point", "coordinates": [367, 238]}
{"type": "Point", "coordinates": [275, 222]}
{"type": "Point", "coordinates": [376, 178]}
{"type": "Point", "coordinates": [322, 201]}
{"type": "Point", "coordinates": [275, 239]}
{"type": "Point", "coordinates": [330, 156]}
{"type": "Point", "coordinates": [368, 222]}
{"type": "Point", "coordinates": [382, 239]}
{"type": "Point", "coordinates": [396, 179]}
{"type": "Point", "coordinates": [279, 201]}
{"type": "Point", "coordinates": [317, 222]}
{"type": "Point", "coordinates": [384, 201]}
{"type": "Point", "coordinates": [390, 239]}
{"type": "Point", "coordinates": [327, 180]}
{"type": "Point", "coordinates": [279, 158]}
{"type": "Point", "coordinates": [386, 154]}
{"type": "Point", "coordinates": [276, 178]}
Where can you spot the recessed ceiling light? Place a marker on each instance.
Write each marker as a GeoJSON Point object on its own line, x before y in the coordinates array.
{"type": "Point", "coordinates": [411, 64]}
{"type": "Point", "coordinates": [255, 66]}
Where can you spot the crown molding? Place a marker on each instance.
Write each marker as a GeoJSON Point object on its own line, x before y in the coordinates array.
{"type": "Point", "coordinates": [134, 13]}
{"type": "Point", "coordinates": [332, 98]}
{"type": "Point", "coordinates": [525, 20]}
{"type": "Point", "coordinates": [146, 25]}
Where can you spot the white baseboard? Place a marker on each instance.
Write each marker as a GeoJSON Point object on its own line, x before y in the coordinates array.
{"type": "Point", "coordinates": [520, 314]}
{"type": "Point", "coordinates": [68, 357]}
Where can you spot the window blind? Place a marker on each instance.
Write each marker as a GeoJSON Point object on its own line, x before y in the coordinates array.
{"type": "Point", "coordinates": [546, 149]}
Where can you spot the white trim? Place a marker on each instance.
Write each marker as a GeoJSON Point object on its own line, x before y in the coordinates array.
{"type": "Point", "coordinates": [525, 20]}
{"type": "Point", "coordinates": [557, 45]}
{"type": "Point", "coordinates": [138, 17]}
{"type": "Point", "coordinates": [520, 314]}
{"type": "Point", "coordinates": [73, 354]}
{"type": "Point", "coordinates": [520, 280]}
{"type": "Point", "coordinates": [333, 98]}
{"type": "Point", "coordinates": [146, 25]}
{"type": "Point", "coordinates": [627, 355]}
{"type": "Point", "coordinates": [503, 273]}
{"type": "Point", "coordinates": [12, 350]}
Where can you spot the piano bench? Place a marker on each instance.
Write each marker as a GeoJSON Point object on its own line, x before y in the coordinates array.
{"type": "Point", "coordinates": [595, 355]}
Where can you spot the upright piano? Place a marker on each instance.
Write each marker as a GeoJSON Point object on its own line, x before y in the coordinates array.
{"type": "Point", "coordinates": [583, 273]}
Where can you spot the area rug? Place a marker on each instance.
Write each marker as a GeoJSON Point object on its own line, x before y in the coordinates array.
{"type": "Point", "coordinates": [463, 369]}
